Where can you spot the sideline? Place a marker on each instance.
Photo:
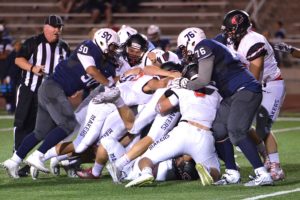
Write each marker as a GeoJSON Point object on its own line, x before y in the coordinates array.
{"type": "Point", "coordinates": [273, 194]}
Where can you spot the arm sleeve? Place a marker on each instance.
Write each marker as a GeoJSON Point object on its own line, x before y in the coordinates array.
{"type": "Point", "coordinates": [205, 68]}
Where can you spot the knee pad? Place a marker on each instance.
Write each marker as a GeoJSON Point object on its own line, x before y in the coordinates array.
{"type": "Point", "coordinates": [219, 131]}
{"type": "Point", "coordinates": [263, 123]}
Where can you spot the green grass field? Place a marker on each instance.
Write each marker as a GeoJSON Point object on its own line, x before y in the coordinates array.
{"type": "Point", "coordinates": [51, 187]}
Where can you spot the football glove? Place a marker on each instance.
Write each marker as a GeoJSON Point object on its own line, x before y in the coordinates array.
{"type": "Point", "coordinates": [283, 47]}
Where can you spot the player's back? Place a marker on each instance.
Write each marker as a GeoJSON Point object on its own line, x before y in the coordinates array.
{"type": "Point", "coordinates": [199, 106]}
{"type": "Point", "coordinates": [229, 74]}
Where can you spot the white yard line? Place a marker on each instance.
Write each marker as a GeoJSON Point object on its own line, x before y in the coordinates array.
{"type": "Point", "coordinates": [6, 129]}
{"type": "Point", "coordinates": [6, 116]}
{"type": "Point", "coordinates": [286, 129]}
{"type": "Point", "coordinates": [273, 194]}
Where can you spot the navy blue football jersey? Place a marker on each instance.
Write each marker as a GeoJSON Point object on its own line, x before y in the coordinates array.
{"type": "Point", "coordinates": [229, 74]}
{"type": "Point", "coordinates": [71, 73]}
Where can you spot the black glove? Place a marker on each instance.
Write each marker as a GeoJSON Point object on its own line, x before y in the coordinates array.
{"type": "Point", "coordinates": [283, 47]}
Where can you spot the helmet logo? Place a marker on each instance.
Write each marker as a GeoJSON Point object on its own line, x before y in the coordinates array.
{"type": "Point", "coordinates": [107, 36]}
{"type": "Point", "coordinates": [237, 19]}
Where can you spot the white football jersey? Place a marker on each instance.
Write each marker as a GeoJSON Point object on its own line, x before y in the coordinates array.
{"type": "Point", "coordinates": [271, 70]}
{"type": "Point", "coordinates": [132, 91]}
{"type": "Point", "coordinates": [198, 107]}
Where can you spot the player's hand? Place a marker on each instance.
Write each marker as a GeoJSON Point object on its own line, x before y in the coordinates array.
{"type": "Point", "coordinates": [178, 83]}
{"type": "Point", "coordinates": [283, 47]}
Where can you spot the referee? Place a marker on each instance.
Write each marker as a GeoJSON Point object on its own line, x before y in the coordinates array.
{"type": "Point", "coordinates": [37, 58]}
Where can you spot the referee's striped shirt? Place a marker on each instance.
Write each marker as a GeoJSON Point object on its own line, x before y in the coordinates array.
{"type": "Point", "coordinates": [38, 51]}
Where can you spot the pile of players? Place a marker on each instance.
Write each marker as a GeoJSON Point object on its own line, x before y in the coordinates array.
{"type": "Point", "coordinates": [156, 115]}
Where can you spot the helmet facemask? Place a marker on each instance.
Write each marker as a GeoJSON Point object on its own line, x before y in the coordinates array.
{"type": "Point", "coordinates": [135, 48]}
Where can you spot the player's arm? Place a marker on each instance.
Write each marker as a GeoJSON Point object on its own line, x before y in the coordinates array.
{"type": "Point", "coordinates": [167, 102]}
{"type": "Point", "coordinates": [256, 55]}
{"type": "Point", "coordinates": [155, 84]}
{"type": "Point", "coordinates": [283, 47]}
{"type": "Point", "coordinates": [295, 52]}
{"type": "Point", "coordinates": [155, 70]}
{"type": "Point", "coordinates": [98, 76]}
{"type": "Point", "coordinates": [205, 68]}
{"type": "Point", "coordinates": [89, 64]}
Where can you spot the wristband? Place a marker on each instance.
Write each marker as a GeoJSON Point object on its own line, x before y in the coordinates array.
{"type": "Point", "coordinates": [31, 68]}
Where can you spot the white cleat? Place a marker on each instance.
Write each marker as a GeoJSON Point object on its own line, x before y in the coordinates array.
{"type": "Point", "coordinates": [114, 172]}
{"type": "Point", "coordinates": [54, 166]}
{"type": "Point", "coordinates": [204, 175]}
{"type": "Point", "coordinates": [260, 179]}
{"type": "Point", "coordinates": [34, 172]}
{"type": "Point", "coordinates": [36, 160]}
{"type": "Point", "coordinates": [11, 167]}
{"type": "Point", "coordinates": [231, 176]}
{"type": "Point", "coordinates": [144, 179]}
{"type": "Point", "coordinates": [110, 95]}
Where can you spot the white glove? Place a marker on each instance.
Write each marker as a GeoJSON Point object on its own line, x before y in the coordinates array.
{"type": "Point", "coordinates": [283, 47]}
{"type": "Point", "coordinates": [178, 83]}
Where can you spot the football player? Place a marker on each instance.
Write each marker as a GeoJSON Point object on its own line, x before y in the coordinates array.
{"type": "Point", "coordinates": [257, 54]}
{"type": "Point", "coordinates": [240, 91]}
{"type": "Point", "coordinates": [192, 136]}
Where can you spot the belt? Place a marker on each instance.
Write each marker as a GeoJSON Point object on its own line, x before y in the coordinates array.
{"type": "Point", "coordinates": [278, 78]}
{"type": "Point", "coordinates": [196, 124]}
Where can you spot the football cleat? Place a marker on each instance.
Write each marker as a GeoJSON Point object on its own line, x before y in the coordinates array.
{"type": "Point", "coordinates": [35, 159]}
{"type": "Point", "coordinates": [204, 175]}
{"type": "Point", "coordinates": [34, 172]}
{"type": "Point", "coordinates": [24, 171]}
{"type": "Point", "coordinates": [11, 167]}
{"type": "Point", "coordinates": [144, 179]}
{"type": "Point", "coordinates": [54, 166]}
{"type": "Point", "coordinates": [114, 172]}
{"type": "Point", "coordinates": [261, 179]}
{"type": "Point", "coordinates": [276, 172]}
{"type": "Point", "coordinates": [110, 95]}
{"type": "Point", "coordinates": [231, 176]}
{"type": "Point", "coordinates": [86, 174]}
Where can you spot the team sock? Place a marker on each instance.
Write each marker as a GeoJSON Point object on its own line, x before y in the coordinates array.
{"type": "Point", "coordinates": [226, 153]}
{"type": "Point", "coordinates": [274, 157]}
{"type": "Point", "coordinates": [249, 150]}
{"type": "Point", "coordinates": [121, 162]}
{"type": "Point", "coordinates": [54, 136]}
{"type": "Point", "coordinates": [97, 169]}
{"type": "Point", "coordinates": [29, 142]}
{"type": "Point", "coordinates": [147, 170]}
{"type": "Point", "coordinates": [50, 154]}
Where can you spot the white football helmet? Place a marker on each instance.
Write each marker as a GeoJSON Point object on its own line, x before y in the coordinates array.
{"type": "Point", "coordinates": [107, 40]}
{"type": "Point", "coordinates": [189, 38]}
{"type": "Point", "coordinates": [125, 32]}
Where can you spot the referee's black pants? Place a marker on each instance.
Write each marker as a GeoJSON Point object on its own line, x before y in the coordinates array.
{"type": "Point", "coordinates": [25, 115]}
